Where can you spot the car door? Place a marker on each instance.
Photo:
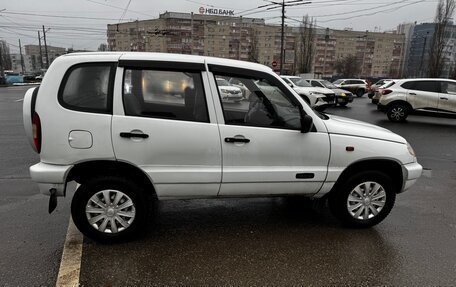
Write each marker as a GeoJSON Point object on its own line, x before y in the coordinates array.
{"type": "Point", "coordinates": [263, 150]}
{"type": "Point", "coordinates": [447, 97]}
{"type": "Point", "coordinates": [423, 94]}
{"type": "Point", "coordinates": [164, 124]}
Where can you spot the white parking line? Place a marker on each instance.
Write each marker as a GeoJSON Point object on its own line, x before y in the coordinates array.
{"type": "Point", "coordinates": [70, 265]}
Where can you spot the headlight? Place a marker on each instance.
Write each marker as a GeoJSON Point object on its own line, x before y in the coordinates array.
{"type": "Point", "coordinates": [224, 90]}
{"type": "Point", "coordinates": [410, 149]}
{"type": "Point", "coordinates": [343, 94]}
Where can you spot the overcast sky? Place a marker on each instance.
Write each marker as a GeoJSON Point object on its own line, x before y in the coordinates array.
{"type": "Point", "coordinates": [81, 24]}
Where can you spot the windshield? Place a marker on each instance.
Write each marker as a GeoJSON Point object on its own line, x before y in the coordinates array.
{"type": "Point", "coordinates": [300, 82]}
{"type": "Point", "coordinates": [328, 85]}
{"type": "Point", "coordinates": [338, 81]}
{"type": "Point", "coordinates": [222, 82]}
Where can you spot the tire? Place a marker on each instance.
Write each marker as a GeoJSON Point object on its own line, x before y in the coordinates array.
{"type": "Point", "coordinates": [343, 104]}
{"type": "Point", "coordinates": [359, 93]}
{"type": "Point", "coordinates": [397, 112]}
{"type": "Point", "coordinates": [347, 211]}
{"type": "Point", "coordinates": [117, 228]}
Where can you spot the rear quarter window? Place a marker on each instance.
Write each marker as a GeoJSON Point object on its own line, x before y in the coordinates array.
{"type": "Point", "coordinates": [88, 87]}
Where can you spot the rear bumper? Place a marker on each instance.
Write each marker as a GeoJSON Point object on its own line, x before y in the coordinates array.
{"type": "Point", "coordinates": [50, 178]}
{"type": "Point", "coordinates": [411, 172]}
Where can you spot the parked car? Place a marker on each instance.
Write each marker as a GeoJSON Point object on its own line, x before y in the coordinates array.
{"type": "Point", "coordinates": [356, 86]}
{"type": "Point", "coordinates": [343, 97]}
{"type": "Point", "coordinates": [407, 96]}
{"type": "Point", "coordinates": [380, 90]}
{"type": "Point", "coordinates": [374, 87]}
{"type": "Point", "coordinates": [317, 97]}
{"type": "Point", "coordinates": [126, 149]}
{"type": "Point", "coordinates": [228, 92]}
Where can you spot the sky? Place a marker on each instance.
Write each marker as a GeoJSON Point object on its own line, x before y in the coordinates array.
{"type": "Point", "coordinates": [81, 24]}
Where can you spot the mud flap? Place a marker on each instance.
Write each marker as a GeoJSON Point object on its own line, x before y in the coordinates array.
{"type": "Point", "coordinates": [52, 200]}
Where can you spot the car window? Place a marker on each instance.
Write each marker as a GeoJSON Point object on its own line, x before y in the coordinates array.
{"type": "Point", "coordinates": [265, 105]}
{"type": "Point", "coordinates": [317, 84]}
{"type": "Point", "coordinates": [426, 86]}
{"type": "Point", "coordinates": [328, 85]}
{"type": "Point", "coordinates": [349, 82]}
{"type": "Point", "coordinates": [222, 82]}
{"type": "Point", "coordinates": [448, 87]}
{"type": "Point", "coordinates": [387, 85]}
{"type": "Point", "coordinates": [336, 82]}
{"type": "Point", "coordinates": [87, 87]}
{"type": "Point", "coordinates": [300, 82]}
{"type": "Point", "coordinates": [408, 85]}
{"type": "Point", "coordinates": [164, 94]}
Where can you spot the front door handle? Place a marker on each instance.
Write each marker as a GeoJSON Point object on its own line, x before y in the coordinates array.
{"type": "Point", "coordinates": [443, 98]}
{"type": "Point", "coordinates": [413, 94]}
{"type": "Point", "coordinates": [236, 140]}
{"type": "Point", "coordinates": [133, 135]}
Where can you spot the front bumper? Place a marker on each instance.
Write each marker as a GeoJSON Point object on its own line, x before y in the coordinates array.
{"type": "Point", "coordinates": [410, 172]}
{"type": "Point", "coordinates": [51, 178]}
{"type": "Point", "coordinates": [344, 99]}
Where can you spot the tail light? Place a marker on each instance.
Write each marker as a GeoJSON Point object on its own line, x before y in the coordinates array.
{"type": "Point", "coordinates": [36, 126]}
{"type": "Point", "coordinates": [386, 92]}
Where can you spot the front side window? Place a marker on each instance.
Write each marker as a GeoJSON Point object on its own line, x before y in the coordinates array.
{"type": "Point", "coordinates": [171, 95]}
{"type": "Point", "coordinates": [87, 87]}
{"type": "Point", "coordinates": [265, 104]}
{"type": "Point", "coordinates": [317, 84]}
{"type": "Point", "coordinates": [448, 87]}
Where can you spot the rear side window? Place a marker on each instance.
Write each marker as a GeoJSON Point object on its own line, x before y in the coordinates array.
{"type": "Point", "coordinates": [426, 86]}
{"type": "Point", "coordinates": [408, 85]}
{"type": "Point", "coordinates": [88, 87]}
{"type": "Point", "coordinates": [174, 95]}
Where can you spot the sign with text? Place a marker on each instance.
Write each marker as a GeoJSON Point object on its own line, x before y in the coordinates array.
{"type": "Point", "coordinates": [215, 11]}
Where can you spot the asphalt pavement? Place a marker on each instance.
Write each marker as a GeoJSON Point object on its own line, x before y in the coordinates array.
{"type": "Point", "coordinates": [242, 242]}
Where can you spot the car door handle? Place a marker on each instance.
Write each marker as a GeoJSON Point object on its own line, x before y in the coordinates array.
{"type": "Point", "coordinates": [443, 98]}
{"type": "Point", "coordinates": [133, 135]}
{"type": "Point", "coordinates": [413, 94]}
{"type": "Point", "coordinates": [236, 140]}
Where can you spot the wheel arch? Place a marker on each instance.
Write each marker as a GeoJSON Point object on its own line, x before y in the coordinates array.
{"type": "Point", "coordinates": [402, 102]}
{"type": "Point", "coordinates": [84, 171]}
{"type": "Point", "coordinates": [388, 166]}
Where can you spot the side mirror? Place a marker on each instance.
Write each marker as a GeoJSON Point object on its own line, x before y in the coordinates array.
{"type": "Point", "coordinates": [306, 124]}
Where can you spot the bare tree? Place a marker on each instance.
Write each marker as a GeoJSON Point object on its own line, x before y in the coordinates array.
{"type": "Point", "coordinates": [253, 48]}
{"type": "Point", "coordinates": [305, 51]}
{"type": "Point", "coordinates": [348, 66]}
{"type": "Point", "coordinates": [444, 13]}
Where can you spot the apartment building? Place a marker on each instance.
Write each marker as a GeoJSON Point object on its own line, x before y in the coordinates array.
{"type": "Point", "coordinates": [38, 59]}
{"type": "Point", "coordinates": [378, 54]}
{"type": "Point", "coordinates": [248, 39]}
{"type": "Point", "coordinates": [251, 39]}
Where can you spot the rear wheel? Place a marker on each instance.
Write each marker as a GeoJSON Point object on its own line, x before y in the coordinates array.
{"type": "Point", "coordinates": [397, 112]}
{"type": "Point", "coordinates": [364, 200]}
{"type": "Point", "coordinates": [109, 209]}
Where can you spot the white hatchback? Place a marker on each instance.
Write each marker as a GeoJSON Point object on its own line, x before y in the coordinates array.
{"type": "Point", "coordinates": [132, 128]}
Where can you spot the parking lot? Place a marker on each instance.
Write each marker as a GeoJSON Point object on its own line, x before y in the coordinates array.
{"type": "Point", "coordinates": [241, 242]}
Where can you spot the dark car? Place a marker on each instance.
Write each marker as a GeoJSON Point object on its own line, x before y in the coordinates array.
{"type": "Point", "coordinates": [343, 97]}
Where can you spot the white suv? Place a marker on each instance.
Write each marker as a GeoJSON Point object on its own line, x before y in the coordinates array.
{"type": "Point", "coordinates": [131, 128]}
{"type": "Point", "coordinates": [403, 97]}
{"type": "Point", "coordinates": [317, 97]}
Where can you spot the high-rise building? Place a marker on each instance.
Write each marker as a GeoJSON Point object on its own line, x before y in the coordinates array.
{"type": "Point", "coordinates": [251, 39]}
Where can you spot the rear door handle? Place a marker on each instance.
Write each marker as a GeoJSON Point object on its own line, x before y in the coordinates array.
{"type": "Point", "coordinates": [133, 135]}
{"type": "Point", "coordinates": [443, 98]}
{"type": "Point", "coordinates": [236, 140]}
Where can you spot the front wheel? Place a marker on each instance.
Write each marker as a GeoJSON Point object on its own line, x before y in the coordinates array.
{"type": "Point", "coordinates": [109, 209]}
{"type": "Point", "coordinates": [364, 200]}
{"type": "Point", "coordinates": [343, 104]}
